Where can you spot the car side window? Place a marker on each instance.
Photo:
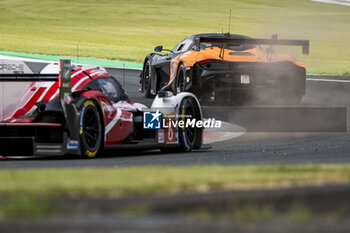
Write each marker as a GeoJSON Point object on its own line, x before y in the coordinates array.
{"type": "Point", "coordinates": [177, 47]}
{"type": "Point", "coordinates": [180, 47]}
{"type": "Point", "coordinates": [183, 46]}
{"type": "Point", "coordinates": [112, 89]}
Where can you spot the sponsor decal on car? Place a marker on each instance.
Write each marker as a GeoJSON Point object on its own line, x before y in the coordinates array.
{"type": "Point", "coordinates": [12, 67]}
{"type": "Point", "coordinates": [73, 145]}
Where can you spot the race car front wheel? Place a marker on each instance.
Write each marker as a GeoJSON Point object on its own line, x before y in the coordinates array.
{"type": "Point", "coordinates": [190, 136]}
{"type": "Point", "coordinates": [91, 133]}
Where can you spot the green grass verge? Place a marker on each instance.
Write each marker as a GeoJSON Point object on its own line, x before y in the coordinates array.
{"type": "Point", "coordinates": [128, 30]}
{"type": "Point", "coordinates": [163, 180]}
{"type": "Point", "coordinates": [252, 212]}
{"type": "Point", "coordinates": [36, 192]}
{"type": "Point", "coordinates": [79, 60]}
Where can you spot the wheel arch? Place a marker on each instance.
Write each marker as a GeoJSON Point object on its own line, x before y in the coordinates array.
{"type": "Point", "coordinates": [185, 95]}
{"type": "Point", "coordinates": [97, 105]}
{"type": "Point", "coordinates": [99, 109]}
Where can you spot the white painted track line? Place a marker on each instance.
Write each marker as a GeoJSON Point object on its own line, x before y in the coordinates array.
{"type": "Point", "coordinates": [328, 80]}
{"type": "Point", "coordinates": [230, 131]}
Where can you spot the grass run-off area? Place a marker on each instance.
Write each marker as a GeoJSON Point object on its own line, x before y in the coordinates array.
{"type": "Point", "coordinates": [129, 30]}
{"type": "Point", "coordinates": [40, 192]}
{"type": "Point", "coordinates": [127, 181]}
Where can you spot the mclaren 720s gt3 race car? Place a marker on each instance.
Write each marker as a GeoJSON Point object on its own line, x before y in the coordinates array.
{"type": "Point", "coordinates": [69, 109]}
{"type": "Point", "coordinates": [226, 68]}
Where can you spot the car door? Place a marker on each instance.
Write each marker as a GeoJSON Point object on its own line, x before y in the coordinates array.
{"type": "Point", "coordinates": [182, 47]}
{"type": "Point", "coordinates": [163, 62]}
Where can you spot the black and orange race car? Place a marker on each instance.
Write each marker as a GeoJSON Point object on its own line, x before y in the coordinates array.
{"type": "Point", "coordinates": [226, 68]}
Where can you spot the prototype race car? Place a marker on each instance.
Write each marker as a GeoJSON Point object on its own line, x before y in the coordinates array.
{"type": "Point", "coordinates": [225, 68]}
{"type": "Point", "coordinates": [83, 110]}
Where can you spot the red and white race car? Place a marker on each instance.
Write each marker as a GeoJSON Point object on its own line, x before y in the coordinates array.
{"type": "Point", "coordinates": [69, 109]}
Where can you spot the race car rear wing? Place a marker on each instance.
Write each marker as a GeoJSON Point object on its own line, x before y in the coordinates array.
{"type": "Point", "coordinates": [28, 77]}
{"type": "Point", "coordinates": [65, 90]}
{"type": "Point", "coordinates": [253, 41]}
{"type": "Point", "coordinates": [63, 77]}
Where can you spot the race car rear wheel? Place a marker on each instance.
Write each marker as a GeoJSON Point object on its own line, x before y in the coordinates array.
{"type": "Point", "coordinates": [189, 137]}
{"type": "Point", "coordinates": [91, 132]}
{"type": "Point", "coordinates": [292, 99]}
{"type": "Point", "coordinates": [294, 88]}
{"type": "Point", "coordinates": [146, 79]}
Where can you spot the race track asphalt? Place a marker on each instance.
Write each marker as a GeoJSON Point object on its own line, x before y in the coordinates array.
{"type": "Point", "coordinates": [284, 145]}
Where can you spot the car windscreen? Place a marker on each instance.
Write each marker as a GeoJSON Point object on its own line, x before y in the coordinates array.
{"type": "Point", "coordinates": [112, 88]}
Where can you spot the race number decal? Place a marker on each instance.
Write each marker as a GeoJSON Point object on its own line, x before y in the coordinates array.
{"type": "Point", "coordinates": [170, 129]}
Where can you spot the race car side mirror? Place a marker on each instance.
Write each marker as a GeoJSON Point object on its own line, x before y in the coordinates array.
{"type": "Point", "coordinates": [158, 49]}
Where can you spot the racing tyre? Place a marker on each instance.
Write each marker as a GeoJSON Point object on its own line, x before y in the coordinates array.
{"type": "Point", "coordinates": [180, 80]}
{"type": "Point", "coordinates": [91, 132]}
{"type": "Point", "coordinates": [295, 87]}
{"type": "Point", "coordinates": [189, 137]}
{"type": "Point", "coordinates": [146, 79]}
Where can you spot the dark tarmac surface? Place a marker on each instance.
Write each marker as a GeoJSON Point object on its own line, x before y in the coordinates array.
{"type": "Point", "coordinates": [281, 146]}
{"type": "Point", "coordinates": [266, 149]}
